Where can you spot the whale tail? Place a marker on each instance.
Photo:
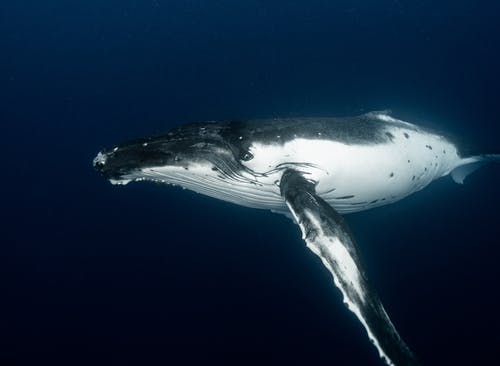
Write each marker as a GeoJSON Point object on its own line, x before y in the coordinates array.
{"type": "Point", "coordinates": [471, 164]}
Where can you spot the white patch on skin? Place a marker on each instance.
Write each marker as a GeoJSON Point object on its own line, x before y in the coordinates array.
{"type": "Point", "coordinates": [387, 118]}
{"type": "Point", "coordinates": [100, 158]}
{"type": "Point", "coordinates": [380, 172]}
{"type": "Point", "coordinates": [120, 182]}
{"type": "Point", "coordinates": [338, 253]}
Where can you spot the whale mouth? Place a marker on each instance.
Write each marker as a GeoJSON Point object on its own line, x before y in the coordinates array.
{"type": "Point", "coordinates": [157, 158]}
{"type": "Point", "coordinates": [120, 182]}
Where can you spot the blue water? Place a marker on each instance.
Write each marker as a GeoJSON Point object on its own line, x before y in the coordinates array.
{"type": "Point", "coordinates": [145, 274]}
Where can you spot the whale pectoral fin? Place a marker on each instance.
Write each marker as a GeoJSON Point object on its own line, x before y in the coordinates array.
{"type": "Point", "coordinates": [327, 236]}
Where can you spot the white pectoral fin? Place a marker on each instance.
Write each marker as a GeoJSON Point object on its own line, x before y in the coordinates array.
{"type": "Point", "coordinates": [326, 234]}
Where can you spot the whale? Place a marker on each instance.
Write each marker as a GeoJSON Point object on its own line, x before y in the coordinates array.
{"type": "Point", "coordinates": [313, 170]}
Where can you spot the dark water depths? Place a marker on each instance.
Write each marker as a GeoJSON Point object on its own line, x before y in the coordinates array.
{"type": "Point", "coordinates": [144, 274]}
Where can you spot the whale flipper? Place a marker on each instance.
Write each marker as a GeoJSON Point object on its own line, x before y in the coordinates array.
{"type": "Point", "coordinates": [327, 236]}
{"type": "Point", "coordinates": [470, 164]}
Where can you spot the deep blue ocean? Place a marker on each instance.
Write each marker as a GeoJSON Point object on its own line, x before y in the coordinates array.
{"type": "Point", "coordinates": [93, 274]}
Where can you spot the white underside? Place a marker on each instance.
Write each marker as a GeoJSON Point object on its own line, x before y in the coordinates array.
{"type": "Point", "coordinates": [373, 174]}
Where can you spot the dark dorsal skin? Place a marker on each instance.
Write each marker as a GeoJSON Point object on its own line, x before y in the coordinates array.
{"type": "Point", "coordinates": [364, 129]}
{"type": "Point", "coordinates": [327, 235]}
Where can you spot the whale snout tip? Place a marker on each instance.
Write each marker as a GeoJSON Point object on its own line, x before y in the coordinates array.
{"type": "Point", "coordinates": [99, 161]}
{"type": "Point", "coordinates": [105, 164]}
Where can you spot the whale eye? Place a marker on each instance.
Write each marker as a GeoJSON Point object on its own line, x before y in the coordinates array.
{"type": "Point", "coordinates": [246, 156]}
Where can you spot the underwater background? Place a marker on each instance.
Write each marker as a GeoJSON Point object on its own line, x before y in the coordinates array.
{"type": "Point", "coordinates": [148, 274]}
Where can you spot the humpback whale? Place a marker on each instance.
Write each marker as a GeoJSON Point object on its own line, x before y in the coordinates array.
{"type": "Point", "coordinates": [311, 169]}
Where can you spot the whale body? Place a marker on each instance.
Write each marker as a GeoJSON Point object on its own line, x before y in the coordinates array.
{"type": "Point", "coordinates": [312, 169]}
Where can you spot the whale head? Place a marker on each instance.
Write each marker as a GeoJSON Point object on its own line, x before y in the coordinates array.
{"type": "Point", "coordinates": [183, 155]}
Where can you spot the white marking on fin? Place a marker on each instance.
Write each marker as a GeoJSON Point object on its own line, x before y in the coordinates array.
{"type": "Point", "coordinates": [339, 253]}
{"type": "Point", "coordinates": [350, 268]}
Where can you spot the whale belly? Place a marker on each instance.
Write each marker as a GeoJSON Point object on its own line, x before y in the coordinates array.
{"type": "Point", "coordinates": [362, 177]}
{"type": "Point", "coordinates": [355, 177]}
